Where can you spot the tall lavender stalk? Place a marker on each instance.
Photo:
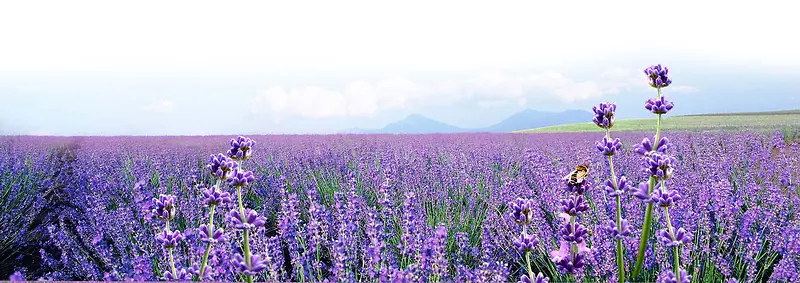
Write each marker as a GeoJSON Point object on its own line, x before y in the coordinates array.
{"type": "Point", "coordinates": [222, 168]}
{"type": "Point", "coordinates": [244, 219]}
{"type": "Point", "coordinates": [526, 243]}
{"type": "Point", "coordinates": [164, 209]}
{"type": "Point", "coordinates": [573, 250]}
{"type": "Point", "coordinates": [658, 79]}
{"type": "Point", "coordinates": [604, 118]}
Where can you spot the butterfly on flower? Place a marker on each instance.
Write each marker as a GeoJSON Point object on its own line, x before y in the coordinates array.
{"type": "Point", "coordinates": [578, 176]}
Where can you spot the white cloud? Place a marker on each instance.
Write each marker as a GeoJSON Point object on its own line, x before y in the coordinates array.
{"type": "Point", "coordinates": [682, 89]}
{"type": "Point", "coordinates": [161, 106]}
{"type": "Point", "coordinates": [363, 99]}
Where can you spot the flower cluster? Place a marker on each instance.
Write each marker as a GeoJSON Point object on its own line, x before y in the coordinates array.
{"type": "Point", "coordinates": [522, 214]}
{"type": "Point", "coordinates": [604, 115]}
{"type": "Point", "coordinates": [658, 76]}
{"type": "Point", "coordinates": [241, 148]}
{"type": "Point", "coordinates": [572, 250]}
{"type": "Point", "coordinates": [221, 166]}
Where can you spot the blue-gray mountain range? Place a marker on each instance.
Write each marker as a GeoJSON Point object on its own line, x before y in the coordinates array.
{"type": "Point", "coordinates": [526, 119]}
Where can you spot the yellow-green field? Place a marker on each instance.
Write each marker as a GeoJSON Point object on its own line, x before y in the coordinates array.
{"type": "Point", "coordinates": [724, 122]}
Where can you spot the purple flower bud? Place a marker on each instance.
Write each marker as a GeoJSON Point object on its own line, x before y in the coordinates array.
{"type": "Point", "coordinates": [622, 184]}
{"type": "Point", "coordinates": [209, 272]}
{"type": "Point", "coordinates": [573, 233]}
{"type": "Point", "coordinates": [563, 259]}
{"type": "Point", "coordinates": [164, 207]}
{"type": "Point", "coordinates": [526, 243]}
{"type": "Point", "coordinates": [681, 237]}
{"type": "Point", "coordinates": [256, 264]}
{"type": "Point", "coordinates": [642, 192]}
{"type": "Point", "coordinates": [668, 277]}
{"type": "Point", "coordinates": [646, 147]}
{"type": "Point", "coordinates": [212, 196]}
{"type": "Point", "coordinates": [240, 179]}
{"type": "Point", "coordinates": [249, 220]}
{"type": "Point", "coordinates": [574, 205]}
{"type": "Point", "coordinates": [17, 276]}
{"type": "Point", "coordinates": [658, 105]}
{"type": "Point", "coordinates": [665, 199]}
{"type": "Point", "coordinates": [578, 188]}
{"type": "Point", "coordinates": [660, 165]}
{"type": "Point", "coordinates": [221, 166]}
{"type": "Point", "coordinates": [181, 275]}
{"type": "Point", "coordinates": [658, 76]}
{"type": "Point", "coordinates": [608, 147]}
{"type": "Point", "coordinates": [241, 148]}
{"type": "Point", "coordinates": [611, 228]}
{"type": "Point", "coordinates": [207, 236]}
{"type": "Point", "coordinates": [604, 115]}
{"type": "Point", "coordinates": [521, 211]}
{"type": "Point", "coordinates": [540, 278]}
{"type": "Point", "coordinates": [168, 239]}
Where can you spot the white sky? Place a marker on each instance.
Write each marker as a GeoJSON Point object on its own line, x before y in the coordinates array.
{"type": "Point", "coordinates": [351, 59]}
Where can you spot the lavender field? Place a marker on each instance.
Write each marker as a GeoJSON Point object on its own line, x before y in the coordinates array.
{"type": "Point", "coordinates": [387, 208]}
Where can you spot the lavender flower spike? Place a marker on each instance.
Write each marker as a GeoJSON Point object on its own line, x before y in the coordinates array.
{"type": "Point", "coordinates": [604, 115]}
{"type": "Point", "coordinates": [658, 76]}
{"type": "Point", "coordinates": [221, 166]}
{"type": "Point", "coordinates": [658, 105]}
{"type": "Point", "coordinates": [540, 278]}
{"type": "Point", "coordinates": [574, 205]}
{"type": "Point", "coordinates": [207, 236]}
{"type": "Point", "coordinates": [665, 199]}
{"type": "Point", "coordinates": [241, 148]}
{"type": "Point", "coordinates": [169, 239]}
{"type": "Point", "coordinates": [164, 207]}
{"type": "Point", "coordinates": [660, 165]}
{"type": "Point", "coordinates": [622, 185]}
{"type": "Point", "coordinates": [249, 220]}
{"type": "Point", "coordinates": [181, 275]}
{"type": "Point", "coordinates": [681, 237]}
{"type": "Point", "coordinates": [646, 146]}
{"type": "Point", "coordinates": [521, 211]}
{"type": "Point", "coordinates": [212, 196]}
{"type": "Point", "coordinates": [256, 264]}
{"type": "Point", "coordinates": [240, 179]}
{"type": "Point", "coordinates": [608, 147]}
{"type": "Point", "coordinates": [611, 228]}
{"type": "Point", "coordinates": [526, 243]}
{"type": "Point", "coordinates": [667, 276]}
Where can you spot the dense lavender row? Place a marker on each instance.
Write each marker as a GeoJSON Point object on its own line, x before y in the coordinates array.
{"type": "Point", "coordinates": [400, 208]}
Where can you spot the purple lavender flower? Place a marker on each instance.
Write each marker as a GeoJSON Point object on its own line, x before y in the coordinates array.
{"type": "Point", "coordinates": [681, 237]}
{"type": "Point", "coordinates": [212, 196]}
{"type": "Point", "coordinates": [646, 146]}
{"type": "Point", "coordinates": [574, 205]}
{"type": "Point", "coordinates": [660, 165]}
{"type": "Point", "coordinates": [540, 278]}
{"type": "Point", "coordinates": [241, 148]}
{"type": "Point", "coordinates": [249, 220]}
{"type": "Point", "coordinates": [564, 259]}
{"type": "Point", "coordinates": [208, 274]}
{"type": "Point", "coordinates": [240, 179]}
{"type": "Point", "coordinates": [622, 185]}
{"type": "Point", "coordinates": [658, 105]}
{"type": "Point", "coordinates": [608, 147]}
{"type": "Point", "coordinates": [521, 211]}
{"type": "Point", "coordinates": [573, 233]}
{"type": "Point", "coordinates": [17, 276]}
{"type": "Point", "coordinates": [169, 239]}
{"type": "Point", "coordinates": [164, 207]}
{"type": "Point", "coordinates": [658, 76]}
{"type": "Point", "coordinates": [665, 199]}
{"type": "Point", "coordinates": [732, 280]}
{"type": "Point", "coordinates": [526, 243]}
{"type": "Point", "coordinates": [256, 264]}
{"type": "Point", "coordinates": [207, 236]}
{"type": "Point", "coordinates": [604, 115]}
{"type": "Point", "coordinates": [642, 193]}
{"type": "Point", "coordinates": [668, 277]}
{"type": "Point", "coordinates": [180, 275]}
{"type": "Point", "coordinates": [611, 228]}
{"type": "Point", "coordinates": [221, 166]}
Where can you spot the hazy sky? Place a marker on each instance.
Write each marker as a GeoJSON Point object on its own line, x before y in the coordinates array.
{"type": "Point", "coordinates": [195, 67]}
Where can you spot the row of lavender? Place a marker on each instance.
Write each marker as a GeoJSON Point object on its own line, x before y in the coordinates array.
{"type": "Point", "coordinates": [377, 208]}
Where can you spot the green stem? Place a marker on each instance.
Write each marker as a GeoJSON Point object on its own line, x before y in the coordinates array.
{"type": "Point", "coordinates": [676, 252]}
{"type": "Point", "coordinates": [573, 247]}
{"type": "Point", "coordinates": [527, 256]}
{"type": "Point", "coordinates": [648, 212]}
{"type": "Point", "coordinates": [620, 262]}
{"type": "Point", "coordinates": [171, 258]}
{"type": "Point", "coordinates": [246, 243]}
{"type": "Point", "coordinates": [204, 263]}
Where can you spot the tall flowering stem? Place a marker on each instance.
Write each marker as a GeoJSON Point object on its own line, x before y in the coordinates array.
{"type": "Point", "coordinates": [658, 79]}
{"type": "Point", "coordinates": [164, 209]}
{"type": "Point", "coordinates": [244, 219]}
{"type": "Point", "coordinates": [572, 252]}
{"type": "Point", "coordinates": [604, 118]}
{"type": "Point", "coordinates": [221, 168]}
{"type": "Point", "coordinates": [522, 214]}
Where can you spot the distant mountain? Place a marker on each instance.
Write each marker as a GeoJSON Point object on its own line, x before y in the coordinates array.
{"type": "Point", "coordinates": [526, 119]}
{"type": "Point", "coordinates": [529, 119]}
{"type": "Point", "coordinates": [416, 124]}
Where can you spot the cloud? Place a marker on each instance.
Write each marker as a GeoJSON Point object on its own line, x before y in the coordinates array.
{"type": "Point", "coordinates": [364, 99]}
{"type": "Point", "coordinates": [683, 89]}
{"type": "Point", "coordinates": [161, 106]}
